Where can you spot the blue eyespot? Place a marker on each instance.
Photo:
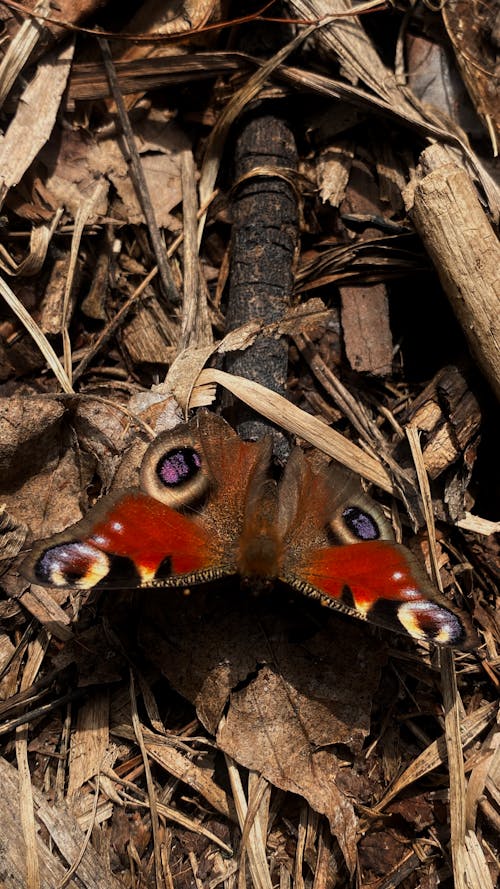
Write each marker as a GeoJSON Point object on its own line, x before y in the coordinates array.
{"type": "Point", "coordinates": [178, 466]}
{"type": "Point", "coordinates": [361, 523]}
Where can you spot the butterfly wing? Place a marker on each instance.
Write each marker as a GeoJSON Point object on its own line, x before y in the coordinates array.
{"type": "Point", "coordinates": [131, 541]}
{"type": "Point", "coordinates": [181, 528]}
{"type": "Point", "coordinates": [347, 558]}
{"type": "Point", "coordinates": [382, 582]}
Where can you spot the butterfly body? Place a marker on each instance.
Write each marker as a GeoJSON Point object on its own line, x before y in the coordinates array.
{"type": "Point", "coordinates": [208, 507]}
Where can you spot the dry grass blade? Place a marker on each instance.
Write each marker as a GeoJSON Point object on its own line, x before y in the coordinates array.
{"type": "Point", "coordinates": [452, 702]}
{"type": "Point", "coordinates": [74, 867]}
{"type": "Point", "coordinates": [477, 873]}
{"type": "Point", "coordinates": [88, 80]}
{"type": "Point", "coordinates": [352, 408]}
{"type": "Point", "coordinates": [195, 776]}
{"type": "Point", "coordinates": [256, 846]}
{"type": "Point", "coordinates": [33, 716]}
{"type": "Point", "coordinates": [20, 49]}
{"type": "Point", "coordinates": [153, 803]}
{"type": "Point", "coordinates": [196, 329]}
{"type": "Point", "coordinates": [37, 335]}
{"type": "Point", "coordinates": [294, 420]}
{"type": "Point", "coordinates": [453, 715]}
{"type": "Point", "coordinates": [26, 809]}
{"type": "Point", "coordinates": [85, 212]}
{"type": "Point", "coordinates": [139, 178]}
{"type": "Point", "coordinates": [184, 821]}
{"type": "Point", "coordinates": [301, 844]}
{"type": "Point", "coordinates": [423, 481]}
{"type": "Point", "coordinates": [40, 238]}
{"type": "Point", "coordinates": [485, 775]}
{"type": "Point", "coordinates": [436, 753]}
{"type": "Point", "coordinates": [36, 653]}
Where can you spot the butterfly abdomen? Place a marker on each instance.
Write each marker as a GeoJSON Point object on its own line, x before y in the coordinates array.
{"type": "Point", "coordinates": [260, 550]}
{"type": "Point", "coordinates": [259, 557]}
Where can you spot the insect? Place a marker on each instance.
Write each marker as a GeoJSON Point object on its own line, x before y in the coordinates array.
{"type": "Point", "coordinates": [208, 507]}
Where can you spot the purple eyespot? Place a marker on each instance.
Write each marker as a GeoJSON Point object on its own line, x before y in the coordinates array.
{"type": "Point", "coordinates": [178, 466]}
{"type": "Point", "coordinates": [360, 523]}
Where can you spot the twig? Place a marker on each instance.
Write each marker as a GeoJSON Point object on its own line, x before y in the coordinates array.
{"type": "Point", "coordinates": [138, 177]}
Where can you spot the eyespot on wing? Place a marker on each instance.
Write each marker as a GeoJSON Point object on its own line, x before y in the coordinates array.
{"type": "Point", "coordinates": [74, 563]}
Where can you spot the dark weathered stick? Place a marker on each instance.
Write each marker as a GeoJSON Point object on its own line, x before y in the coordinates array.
{"type": "Point", "coordinates": [264, 242]}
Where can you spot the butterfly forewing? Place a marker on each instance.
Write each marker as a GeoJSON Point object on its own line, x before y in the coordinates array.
{"type": "Point", "coordinates": [125, 542]}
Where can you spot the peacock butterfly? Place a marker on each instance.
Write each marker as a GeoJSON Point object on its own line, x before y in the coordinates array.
{"type": "Point", "coordinates": [208, 507]}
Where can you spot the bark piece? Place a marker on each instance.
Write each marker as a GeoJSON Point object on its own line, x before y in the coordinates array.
{"type": "Point", "coordinates": [448, 411]}
{"type": "Point", "coordinates": [52, 305]}
{"type": "Point", "coordinates": [149, 335]}
{"type": "Point", "coordinates": [89, 742]}
{"type": "Point", "coordinates": [367, 335]}
{"type": "Point", "coordinates": [332, 169]}
{"type": "Point", "coordinates": [456, 232]}
{"type": "Point", "coordinates": [365, 310]}
{"type": "Point", "coordinates": [34, 120]}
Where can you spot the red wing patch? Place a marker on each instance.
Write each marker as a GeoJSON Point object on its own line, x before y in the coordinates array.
{"type": "Point", "coordinates": [138, 528]}
{"type": "Point", "coordinates": [381, 582]}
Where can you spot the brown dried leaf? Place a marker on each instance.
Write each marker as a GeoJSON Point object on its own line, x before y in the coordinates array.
{"type": "Point", "coordinates": [433, 77]}
{"type": "Point", "coordinates": [12, 535]}
{"type": "Point", "coordinates": [41, 476]}
{"type": "Point", "coordinates": [285, 701]}
{"type": "Point", "coordinates": [73, 170]}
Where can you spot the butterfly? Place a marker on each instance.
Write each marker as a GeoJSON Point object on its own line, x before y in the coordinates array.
{"type": "Point", "coordinates": [208, 507]}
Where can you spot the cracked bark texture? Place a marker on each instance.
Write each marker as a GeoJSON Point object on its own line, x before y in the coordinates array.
{"type": "Point", "coordinates": [263, 250]}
